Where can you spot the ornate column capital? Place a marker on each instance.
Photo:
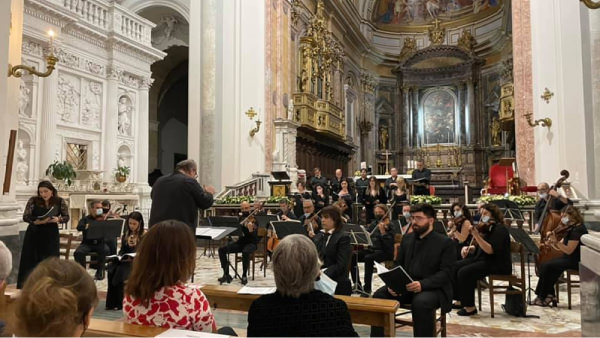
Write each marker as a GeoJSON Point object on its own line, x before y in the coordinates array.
{"type": "Point", "coordinates": [146, 83]}
{"type": "Point", "coordinates": [114, 73]}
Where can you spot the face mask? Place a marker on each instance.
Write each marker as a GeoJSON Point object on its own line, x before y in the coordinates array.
{"type": "Point", "coordinates": [457, 213]}
{"type": "Point", "coordinates": [406, 215]}
{"type": "Point", "coordinates": [378, 217]}
{"type": "Point", "coordinates": [485, 218]}
{"type": "Point", "coordinates": [306, 214]}
{"type": "Point", "coordinates": [325, 284]}
{"type": "Point", "coordinates": [99, 212]}
{"type": "Point", "coordinates": [543, 195]}
{"type": "Point", "coordinates": [565, 220]}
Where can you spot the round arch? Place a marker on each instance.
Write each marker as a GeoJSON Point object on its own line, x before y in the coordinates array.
{"type": "Point", "coordinates": [177, 5]}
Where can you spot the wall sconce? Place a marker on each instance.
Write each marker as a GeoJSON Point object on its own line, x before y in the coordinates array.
{"type": "Point", "coordinates": [251, 114]}
{"type": "Point", "coordinates": [591, 4]}
{"type": "Point", "coordinates": [51, 60]}
{"type": "Point", "coordinates": [545, 122]}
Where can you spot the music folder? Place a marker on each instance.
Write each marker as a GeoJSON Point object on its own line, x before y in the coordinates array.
{"type": "Point", "coordinates": [228, 222]}
{"type": "Point", "coordinates": [396, 278]}
{"type": "Point", "coordinates": [286, 228]}
{"type": "Point", "coordinates": [107, 230]}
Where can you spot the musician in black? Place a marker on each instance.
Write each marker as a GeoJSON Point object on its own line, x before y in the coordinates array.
{"type": "Point", "coordinates": [382, 233]}
{"type": "Point", "coordinates": [285, 212]}
{"type": "Point", "coordinates": [320, 197]}
{"type": "Point", "coordinates": [300, 195]}
{"type": "Point", "coordinates": [246, 244]}
{"type": "Point", "coordinates": [361, 184]}
{"type": "Point", "coordinates": [424, 176]}
{"type": "Point", "coordinates": [373, 196]}
{"type": "Point", "coordinates": [336, 184]}
{"type": "Point", "coordinates": [309, 217]}
{"type": "Point", "coordinates": [570, 246]}
{"type": "Point", "coordinates": [399, 198]}
{"type": "Point", "coordinates": [346, 195]}
{"type": "Point", "coordinates": [491, 256]}
{"type": "Point", "coordinates": [392, 183]}
{"type": "Point", "coordinates": [427, 257]}
{"type": "Point", "coordinates": [556, 205]}
{"type": "Point", "coordinates": [89, 245]}
{"type": "Point", "coordinates": [318, 179]}
{"type": "Point", "coordinates": [333, 245]}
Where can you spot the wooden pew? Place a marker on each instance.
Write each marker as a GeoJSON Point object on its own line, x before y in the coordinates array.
{"type": "Point", "coordinates": [109, 328]}
{"type": "Point", "coordinates": [368, 311]}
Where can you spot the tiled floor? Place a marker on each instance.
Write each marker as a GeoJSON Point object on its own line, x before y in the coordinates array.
{"type": "Point", "coordinates": [558, 321]}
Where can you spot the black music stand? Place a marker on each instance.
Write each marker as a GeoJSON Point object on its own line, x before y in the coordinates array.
{"type": "Point", "coordinates": [510, 209]}
{"type": "Point", "coordinates": [107, 230]}
{"type": "Point", "coordinates": [286, 228]}
{"type": "Point", "coordinates": [228, 222]}
{"type": "Point", "coordinates": [520, 236]}
{"type": "Point", "coordinates": [263, 221]}
{"type": "Point", "coordinates": [358, 236]}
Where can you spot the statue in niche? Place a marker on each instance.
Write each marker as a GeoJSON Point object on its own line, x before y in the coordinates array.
{"type": "Point", "coordinates": [496, 131]}
{"type": "Point", "coordinates": [169, 22]}
{"type": "Point", "coordinates": [383, 138]}
{"type": "Point", "coordinates": [23, 99]}
{"type": "Point", "coordinates": [125, 109]}
{"type": "Point", "coordinates": [121, 161]}
{"type": "Point", "coordinates": [22, 168]}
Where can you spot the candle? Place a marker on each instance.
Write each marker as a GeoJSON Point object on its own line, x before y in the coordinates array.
{"type": "Point", "coordinates": [51, 35]}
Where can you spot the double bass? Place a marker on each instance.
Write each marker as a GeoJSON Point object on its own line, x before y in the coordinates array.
{"type": "Point", "coordinates": [549, 221]}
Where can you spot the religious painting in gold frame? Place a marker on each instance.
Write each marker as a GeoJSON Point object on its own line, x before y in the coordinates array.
{"type": "Point", "coordinates": [439, 117]}
{"type": "Point", "coordinates": [507, 105]}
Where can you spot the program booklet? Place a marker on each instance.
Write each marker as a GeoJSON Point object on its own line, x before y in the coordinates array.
{"type": "Point", "coordinates": [396, 278]}
{"type": "Point", "coordinates": [120, 258]}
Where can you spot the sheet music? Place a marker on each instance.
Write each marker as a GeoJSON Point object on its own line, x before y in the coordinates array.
{"type": "Point", "coordinates": [249, 290]}
{"type": "Point", "coordinates": [209, 232]}
{"type": "Point", "coordinates": [186, 333]}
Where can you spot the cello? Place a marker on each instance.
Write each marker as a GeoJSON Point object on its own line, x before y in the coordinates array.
{"type": "Point", "coordinates": [549, 221]}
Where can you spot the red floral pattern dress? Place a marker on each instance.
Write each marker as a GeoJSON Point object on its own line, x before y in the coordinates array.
{"type": "Point", "coordinates": [179, 307]}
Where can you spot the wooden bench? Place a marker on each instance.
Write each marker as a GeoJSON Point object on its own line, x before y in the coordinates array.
{"type": "Point", "coordinates": [368, 311]}
{"type": "Point", "coordinates": [109, 328]}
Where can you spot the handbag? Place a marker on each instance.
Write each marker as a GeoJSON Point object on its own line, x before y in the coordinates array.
{"type": "Point", "coordinates": [513, 304]}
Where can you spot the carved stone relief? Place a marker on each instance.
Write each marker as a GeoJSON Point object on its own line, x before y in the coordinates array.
{"type": "Point", "coordinates": [125, 114]}
{"type": "Point", "coordinates": [68, 98]}
{"type": "Point", "coordinates": [24, 100]}
{"type": "Point", "coordinates": [170, 31]}
{"type": "Point", "coordinates": [31, 48]}
{"type": "Point", "coordinates": [92, 105]}
{"type": "Point", "coordinates": [22, 155]}
{"type": "Point", "coordinates": [67, 58]}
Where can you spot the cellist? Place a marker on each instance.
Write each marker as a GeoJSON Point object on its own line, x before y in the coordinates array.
{"type": "Point", "coordinates": [557, 204]}
{"type": "Point", "coordinates": [572, 228]}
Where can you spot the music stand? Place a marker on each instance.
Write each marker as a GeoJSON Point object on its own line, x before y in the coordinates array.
{"type": "Point", "coordinates": [228, 222]}
{"type": "Point", "coordinates": [520, 236]}
{"type": "Point", "coordinates": [358, 237]}
{"type": "Point", "coordinates": [286, 228]}
{"type": "Point", "coordinates": [107, 230]}
{"type": "Point", "coordinates": [510, 209]}
{"type": "Point", "coordinates": [263, 221]}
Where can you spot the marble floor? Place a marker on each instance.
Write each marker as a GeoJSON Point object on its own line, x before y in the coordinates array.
{"type": "Point", "coordinates": [559, 321]}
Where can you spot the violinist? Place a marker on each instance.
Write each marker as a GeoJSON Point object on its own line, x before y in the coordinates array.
{"type": "Point", "coordinates": [285, 212]}
{"type": "Point", "coordinates": [405, 220]}
{"type": "Point", "coordinates": [382, 235]}
{"type": "Point", "coordinates": [490, 256]}
{"type": "Point", "coordinates": [373, 196]}
{"type": "Point", "coordinates": [344, 210]}
{"type": "Point", "coordinates": [309, 220]}
{"type": "Point", "coordinates": [459, 226]}
{"type": "Point", "coordinates": [258, 208]}
{"type": "Point", "coordinates": [572, 228]}
{"type": "Point", "coordinates": [558, 203]}
{"type": "Point", "coordinates": [246, 244]}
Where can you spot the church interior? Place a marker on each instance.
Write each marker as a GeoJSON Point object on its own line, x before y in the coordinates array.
{"type": "Point", "coordinates": [468, 102]}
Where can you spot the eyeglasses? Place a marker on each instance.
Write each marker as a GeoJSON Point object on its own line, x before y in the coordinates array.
{"type": "Point", "coordinates": [418, 218]}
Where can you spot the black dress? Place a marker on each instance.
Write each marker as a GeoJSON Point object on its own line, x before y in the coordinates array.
{"type": "Point", "coordinates": [41, 241]}
{"type": "Point", "coordinates": [370, 201]}
{"type": "Point", "coordinates": [118, 273]}
{"type": "Point", "coordinates": [314, 314]}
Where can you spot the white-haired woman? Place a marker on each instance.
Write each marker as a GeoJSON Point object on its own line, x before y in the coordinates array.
{"type": "Point", "coordinates": [296, 308]}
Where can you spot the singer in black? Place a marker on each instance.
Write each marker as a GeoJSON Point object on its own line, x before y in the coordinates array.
{"type": "Point", "coordinates": [299, 197]}
{"type": "Point", "coordinates": [361, 184]}
{"type": "Point", "coordinates": [41, 238]}
{"type": "Point", "coordinates": [427, 257]}
{"type": "Point", "coordinates": [333, 245]}
{"type": "Point", "coordinates": [424, 176]}
{"type": "Point", "coordinates": [246, 244]}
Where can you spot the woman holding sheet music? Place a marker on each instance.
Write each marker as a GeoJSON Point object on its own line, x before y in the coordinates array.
{"type": "Point", "coordinates": [43, 213]}
{"type": "Point", "coordinates": [119, 267]}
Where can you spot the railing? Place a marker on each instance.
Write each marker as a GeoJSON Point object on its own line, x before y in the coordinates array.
{"type": "Point", "coordinates": [108, 16]}
{"type": "Point", "coordinates": [257, 186]}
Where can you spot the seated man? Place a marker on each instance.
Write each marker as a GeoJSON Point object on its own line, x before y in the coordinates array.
{"type": "Point", "coordinates": [89, 245]}
{"type": "Point", "coordinates": [246, 244]}
{"type": "Point", "coordinates": [427, 257]}
{"type": "Point", "coordinates": [107, 213]}
{"type": "Point", "coordinates": [309, 220]}
{"type": "Point", "coordinates": [285, 212]}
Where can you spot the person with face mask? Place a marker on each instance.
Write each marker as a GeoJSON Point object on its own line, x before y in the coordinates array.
{"type": "Point", "coordinates": [459, 226]}
{"type": "Point", "coordinates": [558, 203]}
{"type": "Point", "coordinates": [570, 246]}
{"type": "Point", "coordinates": [490, 256]}
{"type": "Point", "coordinates": [427, 256]}
{"type": "Point", "coordinates": [89, 245]}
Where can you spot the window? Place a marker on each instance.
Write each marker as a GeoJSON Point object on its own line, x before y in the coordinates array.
{"type": "Point", "coordinates": [77, 155]}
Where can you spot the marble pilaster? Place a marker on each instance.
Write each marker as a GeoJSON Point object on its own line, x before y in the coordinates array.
{"type": "Point", "coordinates": [143, 141]}
{"type": "Point", "coordinates": [589, 273]}
{"type": "Point", "coordinates": [470, 112]}
{"type": "Point", "coordinates": [50, 147]}
{"type": "Point", "coordinates": [111, 124]}
{"type": "Point", "coordinates": [286, 132]}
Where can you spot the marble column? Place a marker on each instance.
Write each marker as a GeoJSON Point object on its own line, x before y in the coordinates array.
{"type": "Point", "coordinates": [111, 124]}
{"type": "Point", "coordinates": [470, 113]}
{"type": "Point", "coordinates": [286, 132]}
{"type": "Point", "coordinates": [407, 120]}
{"type": "Point", "coordinates": [50, 147]}
{"type": "Point", "coordinates": [143, 132]}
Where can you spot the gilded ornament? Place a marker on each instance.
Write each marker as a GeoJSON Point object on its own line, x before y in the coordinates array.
{"type": "Point", "coordinates": [436, 33]}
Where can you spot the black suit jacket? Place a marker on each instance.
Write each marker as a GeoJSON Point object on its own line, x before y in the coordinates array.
{"type": "Point", "coordinates": [178, 197]}
{"type": "Point", "coordinates": [433, 265]}
{"type": "Point", "coordinates": [335, 255]}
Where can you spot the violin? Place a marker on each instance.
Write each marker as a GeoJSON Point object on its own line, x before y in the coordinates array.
{"type": "Point", "coordinates": [250, 221]}
{"type": "Point", "coordinates": [311, 223]}
{"type": "Point", "coordinates": [385, 220]}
